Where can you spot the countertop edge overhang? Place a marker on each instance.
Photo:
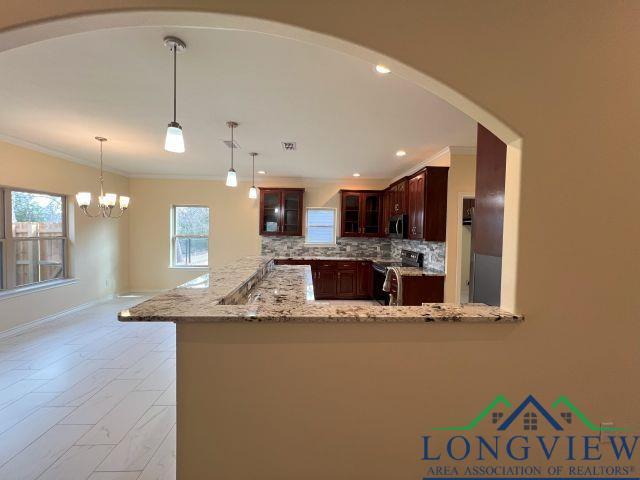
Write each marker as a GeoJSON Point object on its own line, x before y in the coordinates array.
{"type": "Point", "coordinates": [255, 290]}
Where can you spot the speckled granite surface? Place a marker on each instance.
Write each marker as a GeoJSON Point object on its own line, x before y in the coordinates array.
{"type": "Point", "coordinates": [284, 293]}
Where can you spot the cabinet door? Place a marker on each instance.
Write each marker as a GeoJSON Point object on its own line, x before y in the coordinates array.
{"type": "Point", "coordinates": [386, 211]}
{"type": "Point", "coordinates": [371, 213]}
{"type": "Point", "coordinates": [270, 212]}
{"type": "Point", "coordinates": [401, 195]}
{"type": "Point", "coordinates": [416, 206]}
{"type": "Point", "coordinates": [351, 214]}
{"type": "Point", "coordinates": [291, 212]}
{"type": "Point", "coordinates": [326, 283]}
{"type": "Point", "coordinates": [346, 285]}
{"type": "Point", "coordinates": [365, 280]}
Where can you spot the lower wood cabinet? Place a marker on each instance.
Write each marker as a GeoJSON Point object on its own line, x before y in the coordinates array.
{"type": "Point", "coordinates": [351, 280]}
{"type": "Point", "coordinates": [338, 279]}
{"type": "Point", "coordinates": [325, 283]}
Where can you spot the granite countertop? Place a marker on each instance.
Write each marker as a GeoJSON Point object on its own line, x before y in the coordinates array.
{"type": "Point", "coordinates": [339, 259]}
{"type": "Point", "coordinates": [284, 294]}
{"type": "Point", "coordinates": [418, 272]}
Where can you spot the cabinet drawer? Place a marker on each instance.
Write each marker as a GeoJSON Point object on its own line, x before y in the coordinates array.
{"type": "Point", "coordinates": [325, 264]}
{"type": "Point", "coordinates": [346, 265]}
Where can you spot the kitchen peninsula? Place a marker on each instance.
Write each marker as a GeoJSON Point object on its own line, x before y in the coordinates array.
{"type": "Point", "coordinates": [263, 367]}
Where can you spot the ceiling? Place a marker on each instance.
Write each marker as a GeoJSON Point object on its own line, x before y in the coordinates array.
{"type": "Point", "coordinates": [117, 83]}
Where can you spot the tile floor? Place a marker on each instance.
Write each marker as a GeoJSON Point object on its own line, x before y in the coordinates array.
{"type": "Point", "coordinates": [87, 397]}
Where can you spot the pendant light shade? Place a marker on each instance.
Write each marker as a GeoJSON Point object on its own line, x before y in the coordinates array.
{"type": "Point", "coordinates": [253, 191]}
{"type": "Point", "coordinates": [174, 141]}
{"type": "Point", "coordinates": [232, 178]}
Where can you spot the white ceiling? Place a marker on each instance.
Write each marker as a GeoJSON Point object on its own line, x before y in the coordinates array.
{"type": "Point", "coordinates": [116, 83]}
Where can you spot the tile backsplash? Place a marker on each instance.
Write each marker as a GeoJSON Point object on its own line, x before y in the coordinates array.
{"type": "Point", "coordinates": [434, 252]}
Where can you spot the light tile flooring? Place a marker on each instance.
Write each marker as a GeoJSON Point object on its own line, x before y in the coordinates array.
{"type": "Point", "coordinates": [87, 397]}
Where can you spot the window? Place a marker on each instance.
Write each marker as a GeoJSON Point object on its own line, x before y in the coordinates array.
{"type": "Point", "coordinates": [530, 421]}
{"type": "Point", "coordinates": [190, 236]}
{"type": "Point", "coordinates": [33, 237]}
{"type": "Point", "coordinates": [321, 226]}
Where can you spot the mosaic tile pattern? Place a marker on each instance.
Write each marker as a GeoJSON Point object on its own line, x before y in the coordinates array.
{"type": "Point", "coordinates": [383, 248]}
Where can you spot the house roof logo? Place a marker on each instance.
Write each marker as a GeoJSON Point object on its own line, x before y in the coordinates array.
{"type": "Point", "coordinates": [531, 410]}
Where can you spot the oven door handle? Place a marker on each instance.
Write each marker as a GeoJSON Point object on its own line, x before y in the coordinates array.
{"type": "Point", "coordinates": [399, 227]}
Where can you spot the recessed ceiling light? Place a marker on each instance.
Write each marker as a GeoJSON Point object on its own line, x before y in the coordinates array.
{"type": "Point", "coordinates": [382, 69]}
{"type": "Point", "coordinates": [261, 172]}
{"type": "Point", "coordinates": [400, 153]}
{"type": "Point", "coordinates": [356, 174]}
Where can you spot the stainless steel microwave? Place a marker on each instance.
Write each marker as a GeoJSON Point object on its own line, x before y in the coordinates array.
{"type": "Point", "coordinates": [398, 226]}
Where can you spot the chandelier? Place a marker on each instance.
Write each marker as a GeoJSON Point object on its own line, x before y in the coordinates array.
{"type": "Point", "coordinates": [106, 201]}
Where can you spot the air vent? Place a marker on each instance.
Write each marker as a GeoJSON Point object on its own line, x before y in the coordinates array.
{"type": "Point", "coordinates": [289, 146]}
{"type": "Point", "coordinates": [229, 144]}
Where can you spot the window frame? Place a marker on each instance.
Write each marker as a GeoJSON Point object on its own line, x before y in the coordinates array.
{"type": "Point", "coordinates": [8, 242]}
{"type": "Point", "coordinates": [306, 227]}
{"type": "Point", "coordinates": [174, 237]}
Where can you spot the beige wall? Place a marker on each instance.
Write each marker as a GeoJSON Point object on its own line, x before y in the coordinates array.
{"type": "Point", "coordinates": [98, 248]}
{"type": "Point", "coordinates": [462, 180]}
{"type": "Point", "coordinates": [233, 216]}
{"type": "Point", "coordinates": [564, 76]}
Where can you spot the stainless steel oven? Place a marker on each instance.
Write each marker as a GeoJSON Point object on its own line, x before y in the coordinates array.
{"type": "Point", "coordinates": [398, 226]}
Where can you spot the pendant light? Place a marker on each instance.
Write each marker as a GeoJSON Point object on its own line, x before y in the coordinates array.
{"type": "Point", "coordinates": [253, 191]}
{"type": "Point", "coordinates": [232, 178]}
{"type": "Point", "coordinates": [174, 141]}
{"type": "Point", "coordinates": [106, 201]}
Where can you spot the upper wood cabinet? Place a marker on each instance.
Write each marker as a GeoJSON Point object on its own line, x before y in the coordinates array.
{"type": "Point", "coordinates": [281, 211]}
{"type": "Point", "coordinates": [398, 197]}
{"type": "Point", "coordinates": [427, 204]}
{"type": "Point", "coordinates": [361, 213]}
{"type": "Point", "coordinates": [415, 210]}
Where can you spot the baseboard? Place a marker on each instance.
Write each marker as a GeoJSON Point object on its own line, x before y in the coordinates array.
{"type": "Point", "coordinates": [18, 329]}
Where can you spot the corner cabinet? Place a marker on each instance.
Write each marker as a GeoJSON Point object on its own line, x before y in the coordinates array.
{"type": "Point", "coordinates": [281, 211]}
{"type": "Point", "coordinates": [427, 204]}
{"type": "Point", "coordinates": [361, 213]}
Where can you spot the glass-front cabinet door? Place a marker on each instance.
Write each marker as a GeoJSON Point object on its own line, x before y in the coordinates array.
{"type": "Point", "coordinates": [371, 214]}
{"type": "Point", "coordinates": [291, 212]}
{"type": "Point", "coordinates": [351, 214]}
{"type": "Point", "coordinates": [281, 211]}
{"type": "Point", "coordinates": [270, 212]}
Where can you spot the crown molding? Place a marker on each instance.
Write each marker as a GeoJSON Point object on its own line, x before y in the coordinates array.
{"type": "Point", "coordinates": [18, 142]}
{"type": "Point", "coordinates": [450, 150]}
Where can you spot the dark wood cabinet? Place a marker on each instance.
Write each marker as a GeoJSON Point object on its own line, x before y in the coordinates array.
{"type": "Point", "coordinates": [435, 206]}
{"type": "Point", "coordinates": [365, 280]}
{"type": "Point", "coordinates": [325, 284]}
{"type": "Point", "coordinates": [337, 279]}
{"type": "Point", "coordinates": [398, 197]}
{"type": "Point", "coordinates": [281, 211]}
{"type": "Point", "coordinates": [417, 290]}
{"type": "Point", "coordinates": [346, 285]}
{"type": "Point", "coordinates": [361, 213]}
{"type": "Point", "coordinates": [386, 211]}
{"type": "Point", "coordinates": [415, 210]}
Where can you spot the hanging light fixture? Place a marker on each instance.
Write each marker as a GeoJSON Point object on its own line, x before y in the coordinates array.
{"type": "Point", "coordinates": [106, 201]}
{"type": "Point", "coordinates": [232, 178]}
{"type": "Point", "coordinates": [253, 191]}
{"type": "Point", "coordinates": [174, 141]}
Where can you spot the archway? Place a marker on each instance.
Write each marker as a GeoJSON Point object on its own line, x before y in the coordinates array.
{"type": "Point", "coordinates": [28, 34]}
